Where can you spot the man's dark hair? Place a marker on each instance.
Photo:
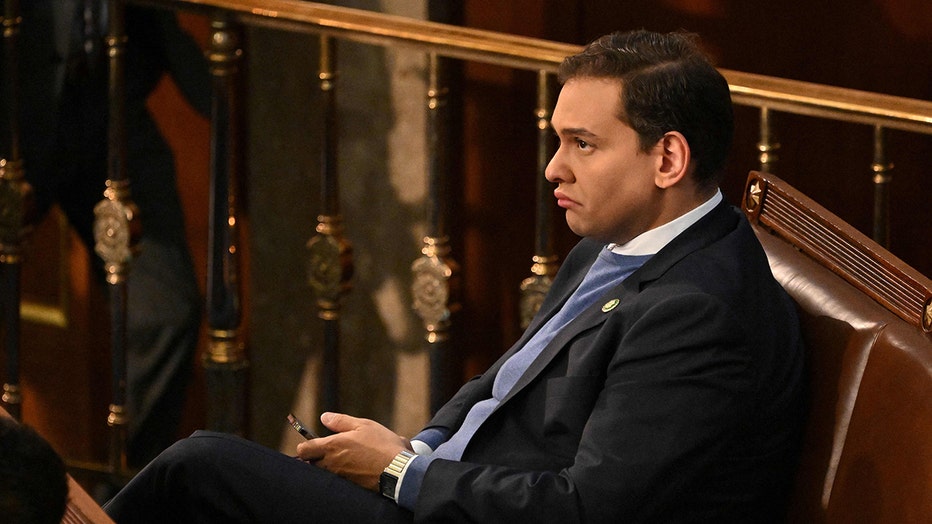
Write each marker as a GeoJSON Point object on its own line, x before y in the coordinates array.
{"type": "Point", "coordinates": [33, 483]}
{"type": "Point", "coordinates": [668, 84]}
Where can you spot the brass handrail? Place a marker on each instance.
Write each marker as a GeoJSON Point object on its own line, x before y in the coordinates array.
{"type": "Point", "coordinates": [384, 29]}
{"type": "Point", "coordinates": [791, 96]}
{"type": "Point", "coordinates": [837, 103]}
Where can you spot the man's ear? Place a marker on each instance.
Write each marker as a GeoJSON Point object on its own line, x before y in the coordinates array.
{"type": "Point", "coordinates": [674, 159]}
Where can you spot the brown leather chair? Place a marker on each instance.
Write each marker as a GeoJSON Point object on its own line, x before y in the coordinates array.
{"type": "Point", "coordinates": [866, 317]}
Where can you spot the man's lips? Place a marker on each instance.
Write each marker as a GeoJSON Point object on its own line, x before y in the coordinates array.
{"type": "Point", "coordinates": [563, 200]}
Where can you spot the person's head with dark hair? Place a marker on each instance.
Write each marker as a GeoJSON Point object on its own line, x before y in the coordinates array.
{"type": "Point", "coordinates": [33, 482]}
{"type": "Point", "coordinates": [644, 123]}
{"type": "Point", "coordinates": [668, 85]}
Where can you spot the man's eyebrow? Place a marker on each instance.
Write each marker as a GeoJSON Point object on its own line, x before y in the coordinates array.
{"type": "Point", "coordinates": [576, 131]}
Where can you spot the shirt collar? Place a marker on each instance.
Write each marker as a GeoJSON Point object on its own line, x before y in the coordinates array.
{"type": "Point", "coordinates": [652, 241]}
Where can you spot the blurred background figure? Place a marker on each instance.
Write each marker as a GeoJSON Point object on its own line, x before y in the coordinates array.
{"type": "Point", "coordinates": [64, 120]}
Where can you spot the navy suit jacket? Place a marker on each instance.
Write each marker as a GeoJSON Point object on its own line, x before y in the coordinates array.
{"type": "Point", "coordinates": [681, 404]}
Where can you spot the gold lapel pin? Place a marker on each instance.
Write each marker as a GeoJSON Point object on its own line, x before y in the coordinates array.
{"type": "Point", "coordinates": [610, 305]}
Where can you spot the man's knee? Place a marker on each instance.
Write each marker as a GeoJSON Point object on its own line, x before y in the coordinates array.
{"type": "Point", "coordinates": [202, 446]}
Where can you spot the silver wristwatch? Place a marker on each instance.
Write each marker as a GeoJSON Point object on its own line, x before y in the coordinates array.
{"type": "Point", "coordinates": [388, 480]}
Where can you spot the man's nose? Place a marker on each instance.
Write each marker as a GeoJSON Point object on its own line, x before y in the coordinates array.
{"type": "Point", "coordinates": [557, 170]}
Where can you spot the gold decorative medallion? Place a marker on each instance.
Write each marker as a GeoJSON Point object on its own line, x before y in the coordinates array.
{"type": "Point", "coordinates": [116, 232]}
{"type": "Point", "coordinates": [431, 291]}
{"type": "Point", "coordinates": [753, 198]}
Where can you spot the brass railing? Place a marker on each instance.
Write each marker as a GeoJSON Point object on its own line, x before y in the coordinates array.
{"type": "Point", "coordinates": [435, 274]}
{"type": "Point", "coordinates": [535, 54]}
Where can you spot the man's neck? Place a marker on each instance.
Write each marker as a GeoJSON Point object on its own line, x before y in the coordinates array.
{"type": "Point", "coordinates": [653, 240]}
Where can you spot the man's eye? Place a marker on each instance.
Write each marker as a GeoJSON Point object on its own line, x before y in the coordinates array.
{"type": "Point", "coordinates": [582, 144]}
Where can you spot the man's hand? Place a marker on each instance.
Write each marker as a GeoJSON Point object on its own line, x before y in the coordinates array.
{"type": "Point", "coordinates": [359, 450]}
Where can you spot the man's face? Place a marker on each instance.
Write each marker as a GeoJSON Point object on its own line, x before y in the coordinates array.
{"type": "Point", "coordinates": [605, 182]}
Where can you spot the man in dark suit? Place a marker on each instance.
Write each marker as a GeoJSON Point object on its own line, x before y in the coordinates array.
{"type": "Point", "coordinates": [661, 380]}
{"type": "Point", "coordinates": [63, 73]}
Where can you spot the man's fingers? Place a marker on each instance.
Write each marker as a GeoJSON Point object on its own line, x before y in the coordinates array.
{"type": "Point", "coordinates": [339, 422]}
{"type": "Point", "coordinates": [310, 450]}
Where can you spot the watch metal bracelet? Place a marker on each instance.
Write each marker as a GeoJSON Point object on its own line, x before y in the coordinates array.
{"type": "Point", "coordinates": [390, 475]}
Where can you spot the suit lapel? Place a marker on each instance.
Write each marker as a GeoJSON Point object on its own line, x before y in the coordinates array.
{"type": "Point", "coordinates": [553, 302]}
{"type": "Point", "coordinates": [588, 319]}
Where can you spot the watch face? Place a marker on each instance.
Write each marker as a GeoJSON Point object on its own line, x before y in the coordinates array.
{"type": "Point", "coordinates": [387, 483]}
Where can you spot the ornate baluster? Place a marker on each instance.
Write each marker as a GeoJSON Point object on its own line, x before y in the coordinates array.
{"type": "Point", "coordinates": [544, 265]}
{"type": "Point", "coordinates": [116, 233]}
{"type": "Point", "coordinates": [330, 261]}
{"type": "Point", "coordinates": [882, 179]}
{"type": "Point", "coordinates": [225, 360]}
{"type": "Point", "coordinates": [15, 198]}
{"type": "Point", "coordinates": [766, 146]}
{"type": "Point", "coordinates": [15, 208]}
{"type": "Point", "coordinates": [435, 274]}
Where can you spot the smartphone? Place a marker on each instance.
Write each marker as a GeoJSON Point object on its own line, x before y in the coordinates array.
{"type": "Point", "coordinates": [300, 427]}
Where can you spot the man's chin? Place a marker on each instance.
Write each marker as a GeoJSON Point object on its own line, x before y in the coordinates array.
{"type": "Point", "coordinates": [576, 227]}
